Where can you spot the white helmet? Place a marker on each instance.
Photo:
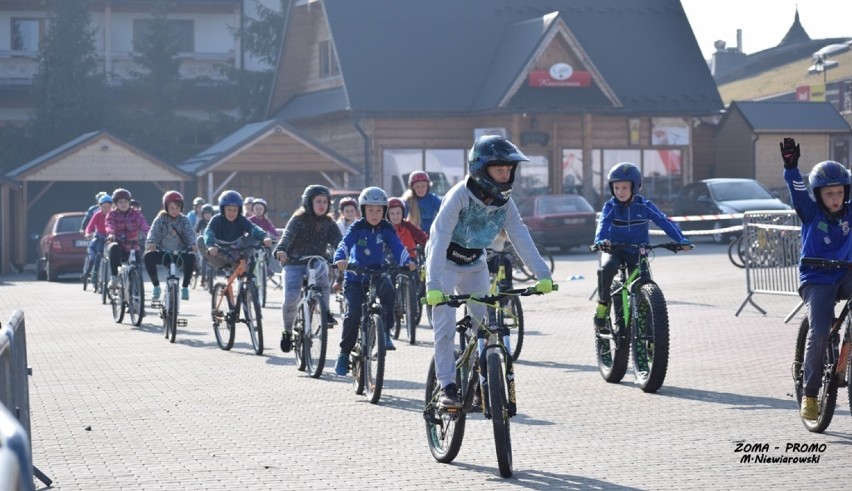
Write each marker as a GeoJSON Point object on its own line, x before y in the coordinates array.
{"type": "Point", "coordinates": [373, 196]}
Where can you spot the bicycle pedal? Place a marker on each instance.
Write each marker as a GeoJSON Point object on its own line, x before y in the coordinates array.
{"type": "Point", "coordinates": [181, 322]}
{"type": "Point", "coordinates": [156, 304]}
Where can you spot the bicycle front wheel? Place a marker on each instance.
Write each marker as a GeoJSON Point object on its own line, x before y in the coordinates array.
{"type": "Point", "coordinates": [613, 350]}
{"type": "Point", "coordinates": [827, 396]}
{"type": "Point", "coordinates": [251, 314]}
{"type": "Point", "coordinates": [172, 313]}
{"type": "Point", "coordinates": [104, 281]}
{"type": "Point", "coordinates": [260, 276]}
{"type": "Point", "coordinates": [316, 337]}
{"type": "Point", "coordinates": [136, 297]}
{"type": "Point", "coordinates": [374, 360]}
{"type": "Point", "coordinates": [498, 401]}
{"type": "Point", "coordinates": [223, 323]}
{"type": "Point", "coordinates": [444, 430]}
{"type": "Point", "coordinates": [650, 338]}
{"type": "Point", "coordinates": [119, 306]}
{"type": "Point", "coordinates": [302, 322]}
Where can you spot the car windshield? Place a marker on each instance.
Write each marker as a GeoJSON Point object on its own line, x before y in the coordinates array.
{"type": "Point", "coordinates": [569, 203]}
{"type": "Point", "coordinates": [739, 190]}
{"type": "Point", "coordinates": [69, 224]}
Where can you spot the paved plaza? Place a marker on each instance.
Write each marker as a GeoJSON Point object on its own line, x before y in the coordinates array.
{"type": "Point", "coordinates": [119, 407]}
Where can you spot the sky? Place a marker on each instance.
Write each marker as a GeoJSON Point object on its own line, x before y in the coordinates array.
{"type": "Point", "coordinates": [764, 22]}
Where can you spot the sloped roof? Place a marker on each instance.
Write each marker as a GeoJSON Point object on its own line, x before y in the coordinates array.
{"type": "Point", "coordinates": [801, 117]}
{"type": "Point", "coordinates": [314, 104]}
{"type": "Point", "coordinates": [246, 136]}
{"type": "Point", "coordinates": [49, 158]}
{"type": "Point", "coordinates": [447, 56]}
{"type": "Point", "coordinates": [796, 34]}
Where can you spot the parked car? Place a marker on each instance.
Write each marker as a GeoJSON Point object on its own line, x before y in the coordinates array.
{"type": "Point", "coordinates": [559, 220]}
{"type": "Point", "coordinates": [723, 196]}
{"type": "Point", "coordinates": [61, 247]}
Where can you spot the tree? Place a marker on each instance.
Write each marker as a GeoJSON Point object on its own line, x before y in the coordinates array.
{"type": "Point", "coordinates": [69, 93]}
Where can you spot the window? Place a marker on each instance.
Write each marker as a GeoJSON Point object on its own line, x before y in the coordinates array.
{"type": "Point", "coordinates": [27, 34]}
{"type": "Point", "coordinates": [182, 31]}
{"type": "Point", "coordinates": [444, 166]}
{"type": "Point", "coordinates": [327, 60]}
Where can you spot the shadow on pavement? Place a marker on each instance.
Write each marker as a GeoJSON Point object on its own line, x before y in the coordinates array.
{"type": "Point", "coordinates": [739, 401]}
{"type": "Point", "coordinates": [533, 479]}
{"type": "Point", "coordinates": [570, 367]}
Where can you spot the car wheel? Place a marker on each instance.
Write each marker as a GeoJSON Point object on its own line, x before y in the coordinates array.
{"type": "Point", "coordinates": [41, 274]}
{"type": "Point", "coordinates": [718, 237]}
{"type": "Point", "coordinates": [51, 274]}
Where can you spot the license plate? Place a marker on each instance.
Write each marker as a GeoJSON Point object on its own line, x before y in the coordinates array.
{"type": "Point", "coordinates": [81, 243]}
{"type": "Point", "coordinates": [574, 221]}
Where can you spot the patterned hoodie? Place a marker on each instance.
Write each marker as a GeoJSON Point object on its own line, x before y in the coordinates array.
{"type": "Point", "coordinates": [171, 234]}
{"type": "Point", "coordinates": [127, 227]}
{"type": "Point", "coordinates": [308, 235]}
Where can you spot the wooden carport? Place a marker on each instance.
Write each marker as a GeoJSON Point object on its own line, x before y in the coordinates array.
{"type": "Point", "coordinates": [96, 157]}
{"type": "Point", "coordinates": [269, 159]}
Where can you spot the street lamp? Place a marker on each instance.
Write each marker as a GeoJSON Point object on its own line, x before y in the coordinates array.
{"type": "Point", "coordinates": [819, 66]}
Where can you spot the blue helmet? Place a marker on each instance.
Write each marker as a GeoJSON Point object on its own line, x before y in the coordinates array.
{"type": "Point", "coordinates": [493, 150]}
{"type": "Point", "coordinates": [829, 173]}
{"type": "Point", "coordinates": [105, 199]}
{"type": "Point", "coordinates": [625, 171]}
{"type": "Point", "coordinates": [230, 198]}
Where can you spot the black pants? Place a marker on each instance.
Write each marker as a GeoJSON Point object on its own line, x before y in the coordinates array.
{"type": "Point", "coordinates": [117, 254]}
{"type": "Point", "coordinates": [494, 263]}
{"type": "Point", "coordinates": [610, 268]}
{"type": "Point", "coordinates": [157, 258]}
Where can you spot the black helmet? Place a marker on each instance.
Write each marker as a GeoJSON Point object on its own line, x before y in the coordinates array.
{"type": "Point", "coordinates": [207, 208]}
{"type": "Point", "coordinates": [312, 192]}
{"type": "Point", "coordinates": [493, 150]}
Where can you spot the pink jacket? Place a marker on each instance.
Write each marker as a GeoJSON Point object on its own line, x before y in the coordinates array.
{"type": "Point", "coordinates": [127, 227]}
{"type": "Point", "coordinates": [266, 224]}
{"type": "Point", "coordinates": [97, 224]}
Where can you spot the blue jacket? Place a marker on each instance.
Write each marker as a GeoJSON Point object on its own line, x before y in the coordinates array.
{"type": "Point", "coordinates": [821, 236]}
{"type": "Point", "coordinates": [364, 246]}
{"type": "Point", "coordinates": [222, 230]}
{"type": "Point", "coordinates": [628, 223]}
{"type": "Point", "coordinates": [429, 205]}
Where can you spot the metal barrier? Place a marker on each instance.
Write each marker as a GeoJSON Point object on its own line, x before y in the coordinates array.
{"type": "Point", "coordinates": [773, 244]}
{"type": "Point", "coordinates": [15, 408]}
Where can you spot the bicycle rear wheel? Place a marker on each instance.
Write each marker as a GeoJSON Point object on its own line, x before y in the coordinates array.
{"type": "Point", "coordinates": [104, 281]}
{"type": "Point", "coordinates": [252, 316]}
{"type": "Point", "coordinates": [650, 338]}
{"type": "Point", "coordinates": [119, 306]}
{"type": "Point", "coordinates": [513, 318]}
{"type": "Point", "coordinates": [412, 316]}
{"type": "Point", "coordinates": [398, 308]}
{"type": "Point", "coordinates": [86, 273]}
{"type": "Point", "coordinates": [444, 430]}
{"type": "Point", "coordinates": [136, 297]}
{"type": "Point", "coordinates": [498, 401]}
{"type": "Point", "coordinates": [172, 312]}
{"type": "Point", "coordinates": [260, 276]}
{"type": "Point", "coordinates": [613, 350]}
{"type": "Point", "coordinates": [316, 337]}
{"type": "Point", "coordinates": [827, 397]}
{"type": "Point", "coordinates": [223, 323]}
{"type": "Point", "coordinates": [374, 360]}
{"type": "Point", "coordinates": [302, 322]}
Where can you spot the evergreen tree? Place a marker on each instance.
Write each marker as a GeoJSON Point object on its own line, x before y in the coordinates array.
{"type": "Point", "coordinates": [68, 91]}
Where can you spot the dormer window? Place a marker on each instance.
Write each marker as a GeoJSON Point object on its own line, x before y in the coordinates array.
{"type": "Point", "coordinates": [327, 60]}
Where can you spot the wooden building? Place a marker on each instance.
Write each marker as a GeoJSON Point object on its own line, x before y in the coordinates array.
{"type": "Point", "coordinates": [579, 85]}
{"type": "Point", "coordinates": [748, 135]}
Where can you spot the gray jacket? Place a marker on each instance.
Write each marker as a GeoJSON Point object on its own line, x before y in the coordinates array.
{"type": "Point", "coordinates": [171, 234]}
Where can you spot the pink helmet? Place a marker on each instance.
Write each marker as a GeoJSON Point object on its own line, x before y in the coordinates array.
{"type": "Point", "coordinates": [418, 176]}
{"type": "Point", "coordinates": [172, 196]}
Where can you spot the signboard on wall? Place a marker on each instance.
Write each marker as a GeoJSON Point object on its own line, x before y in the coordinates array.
{"type": "Point", "coordinates": [477, 132]}
{"type": "Point", "coordinates": [669, 131]}
{"type": "Point", "coordinates": [560, 75]}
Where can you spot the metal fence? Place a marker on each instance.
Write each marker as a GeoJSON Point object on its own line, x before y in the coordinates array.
{"type": "Point", "coordinates": [772, 244]}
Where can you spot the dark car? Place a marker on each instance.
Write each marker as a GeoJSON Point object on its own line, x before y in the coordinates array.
{"type": "Point", "coordinates": [62, 247]}
{"type": "Point", "coordinates": [559, 220]}
{"type": "Point", "coordinates": [723, 196]}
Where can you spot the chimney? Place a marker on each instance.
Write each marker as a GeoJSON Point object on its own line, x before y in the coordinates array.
{"type": "Point", "coordinates": [739, 40]}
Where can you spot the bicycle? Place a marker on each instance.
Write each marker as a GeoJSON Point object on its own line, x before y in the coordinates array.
{"type": "Point", "coordinates": [260, 275]}
{"type": "Point", "coordinates": [245, 301]}
{"type": "Point", "coordinates": [486, 381]}
{"type": "Point", "coordinates": [638, 322]}
{"type": "Point", "coordinates": [836, 370]}
{"type": "Point", "coordinates": [93, 275]}
{"type": "Point", "coordinates": [406, 306]}
{"type": "Point", "coordinates": [367, 359]}
{"type": "Point", "coordinates": [130, 294]}
{"type": "Point", "coordinates": [520, 269]}
{"type": "Point", "coordinates": [103, 279]}
{"type": "Point", "coordinates": [310, 332]}
{"type": "Point", "coordinates": [737, 252]}
{"type": "Point", "coordinates": [509, 313]}
{"type": "Point", "coordinates": [170, 306]}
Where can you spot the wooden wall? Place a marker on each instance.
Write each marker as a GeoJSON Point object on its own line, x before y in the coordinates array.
{"type": "Point", "coordinates": [734, 148]}
{"type": "Point", "coordinates": [769, 166]}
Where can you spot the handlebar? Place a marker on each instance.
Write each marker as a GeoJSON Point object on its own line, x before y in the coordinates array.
{"type": "Point", "coordinates": [818, 262]}
{"type": "Point", "coordinates": [459, 300]}
{"type": "Point", "coordinates": [672, 246]}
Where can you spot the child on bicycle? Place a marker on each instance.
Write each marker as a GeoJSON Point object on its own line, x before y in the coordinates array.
{"type": "Point", "coordinates": [409, 234]}
{"type": "Point", "coordinates": [364, 246]}
{"type": "Point", "coordinates": [228, 226]}
{"type": "Point", "coordinates": [311, 231]}
{"type": "Point", "coordinates": [624, 220]}
{"type": "Point", "coordinates": [347, 211]}
{"type": "Point", "coordinates": [825, 234]}
{"type": "Point", "coordinates": [194, 214]}
{"type": "Point", "coordinates": [126, 228]}
{"type": "Point", "coordinates": [200, 226]}
{"type": "Point", "coordinates": [422, 204]}
{"type": "Point", "coordinates": [259, 218]}
{"type": "Point", "coordinates": [170, 232]}
{"type": "Point", "coordinates": [471, 216]}
{"type": "Point", "coordinates": [90, 212]}
{"type": "Point", "coordinates": [97, 230]}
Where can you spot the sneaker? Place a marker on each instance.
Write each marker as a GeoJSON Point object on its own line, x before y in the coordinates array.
{"type": "Point", "coordinates": [286, 341]}
{"type": "Point", "coordinates": [330, 320]}
{"type": "Point", "coordinates": [155, 293]}
{"type": "Point", "coordinates": [449, 397]}
{"type": "Point", "coordinates": [342, 366]}
{"type": "Point", "coordinates": [601, 315]}
{"type": "Point", "coordinates": [184, 293]}
{"type": "Point", "coordinates": [389, 343]}
{"type": "Point", "coordinates": [810, 408]}
{"type": "Point", "coordinates": [113, 282]}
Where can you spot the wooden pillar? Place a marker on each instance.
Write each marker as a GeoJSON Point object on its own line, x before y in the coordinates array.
{"type": "Point", "coordinates": [5, 229]}
{"type": "Point", "coordinates": [20, 227]}
{"type": "Point", "coordinates": [588, 175]}
{"type": "Point", "coordinates": [556, 170]}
